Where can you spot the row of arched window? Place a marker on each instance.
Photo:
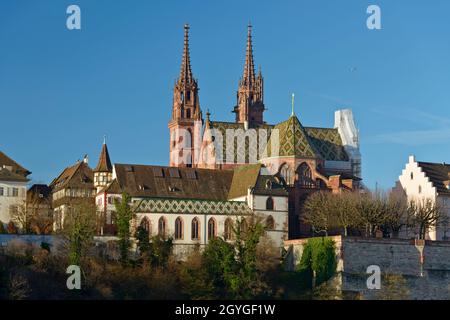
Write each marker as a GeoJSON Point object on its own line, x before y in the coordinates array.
{"type": "Point", "coordinates": [195, 227]}
{"type": "Point", "coordinates": [304, 174]}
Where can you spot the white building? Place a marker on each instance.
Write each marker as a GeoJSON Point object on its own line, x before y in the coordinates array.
{"type": "Point", "coordinates": [425, 180]}
{"type": "Point", "coordinates": [193, 205]}
{"type": "Point", "coordinates": [13, 187]}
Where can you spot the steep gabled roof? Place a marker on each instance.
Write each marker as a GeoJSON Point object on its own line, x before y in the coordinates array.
{"type": "Point", "coordinates": [293, 140]}
{"type": "Point", "coordinates": [244, 177]}
{"type": "Point", "coordinates": [38, 193]}
{"type": "Point", "coordinates": [80, 176]}
{"type": "Point", "coordinates": [16, 168]}
{"type": "Point", "coordinates": [104, 162]}
{"type": "Point", "coordinates": [439, 175]}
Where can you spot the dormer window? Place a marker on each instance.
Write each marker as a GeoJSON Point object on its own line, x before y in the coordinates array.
{"type": "Point", "coordinates": [269, 185]}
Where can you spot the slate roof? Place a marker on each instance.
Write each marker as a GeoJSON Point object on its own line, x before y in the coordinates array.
{"type": "Point", "coordinates": [171, 182]}
{"type": "Point", "coordinates": [190, 183]}
{"type": "Point", "coordinates": [38, 193]}
{"type": "Point", "coordinates": [439, 175]}
{"type": "Point", "coordinates": [270, 185]}
{"type": "Point", "coordinates": [6, 175]}
{"type": "Point", "coordinates": [16, 168]}
{"type": "Point", "coordinates": [78, 176]}
{"type": "Point", "coordinates": [104, 162]}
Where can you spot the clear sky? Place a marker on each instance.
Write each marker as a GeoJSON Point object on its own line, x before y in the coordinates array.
{"type": "Point", "coordinates": [62, 90]}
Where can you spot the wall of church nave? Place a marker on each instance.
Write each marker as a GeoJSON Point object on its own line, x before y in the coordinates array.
{"type": "Point", "coordinates": [215, 224]}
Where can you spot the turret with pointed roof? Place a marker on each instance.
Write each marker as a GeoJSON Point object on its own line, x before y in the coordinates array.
{"type": "Point", "coordinates": [250, 95]}
{"type": "Point", "coordinates": [103, 170]}
{"type": "Point", "coordinates": [104, 162]}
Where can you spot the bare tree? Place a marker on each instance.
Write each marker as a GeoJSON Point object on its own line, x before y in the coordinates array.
{"type": "Point", "coordinates": [318, 212]}
{"type": "Point", "coordinates": [371, 211]}
{"type": "Point", "coordinates": [426, 214]}
{"type": "Point", "coordinates": [344, 208]}
{"type": "Point", "coordinates": [398, 214]}
{"type": "Point", "coordinates": [22, 217]}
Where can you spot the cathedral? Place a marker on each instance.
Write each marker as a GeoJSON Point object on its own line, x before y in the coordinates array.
{"type": "Point", "coordinates": [307, 159]}
{"type": "Point", "coordinates": [220, 171]}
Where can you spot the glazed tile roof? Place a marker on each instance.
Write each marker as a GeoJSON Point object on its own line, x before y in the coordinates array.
{"type": "Point", "coordinates": [328, 142]}
{"type": "Point", "coordinates": [179, 206]}
{"type": "Point", "coordinates": [239, 149]}
{"type": "Point", "coordinates": [439, 175]}
{"type": "Point", "coordinates": [293, 140]}
{"type": "Point", "coordinates": [309, 142]}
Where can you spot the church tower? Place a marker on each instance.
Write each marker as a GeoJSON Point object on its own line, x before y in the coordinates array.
{"type": "Point", "coordinates": [103, 170]}
{"type": "Point", "coordinates": [186, 120]}
{"type": "Point", "coordinates": [250, 95]}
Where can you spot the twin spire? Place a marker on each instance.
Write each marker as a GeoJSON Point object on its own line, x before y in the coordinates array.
{"type": "Point", "coordinates": [249, 66]}
{"type": "Point", "coordinates": [250, 106]}
{"type": "Point", "coordinates": [186, 72]}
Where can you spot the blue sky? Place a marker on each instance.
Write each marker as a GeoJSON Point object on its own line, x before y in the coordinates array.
{"type": "Point", "coordinates": [61, 90]}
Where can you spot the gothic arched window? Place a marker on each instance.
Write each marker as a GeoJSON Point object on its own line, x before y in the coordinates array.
{"type": "Point", "coordinates": [269, 203]}
{"type": "Point", "coordinates": [287, 174]}
{"type": "Point", "coordinates": [178, 229]}
{"type": "Point", "coordinates": [228, 229]}
{"type": "Point", "coordinates": [195, 230]}
{"type": "Point", "coordinates": [305, 176]}
{"type": "Point", "coordinates": [145, 224]}
{"type": "Point", "coordinates": [162, 226]}
{"type": "Point", "coordinates": [270, 223]}
{"type": "Point", "coordinates": [212, 228]}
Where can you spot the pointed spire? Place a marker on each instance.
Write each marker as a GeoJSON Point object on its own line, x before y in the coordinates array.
{"type": "Point", "coordinates": [249, 67]}
{"type": "Point", "coordinates": [186, 72]}
{"type": "Point", "coordinates": [104, 162]}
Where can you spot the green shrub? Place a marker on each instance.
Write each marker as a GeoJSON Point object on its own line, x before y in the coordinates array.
{"type": "Point", "coordinates": [318, 256]}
